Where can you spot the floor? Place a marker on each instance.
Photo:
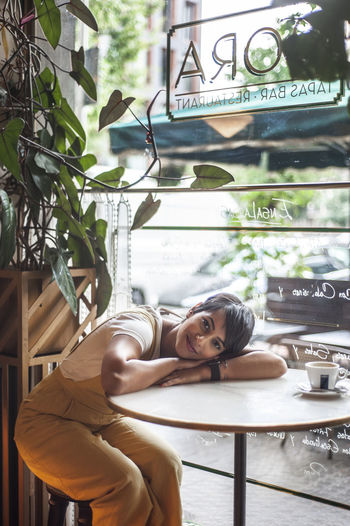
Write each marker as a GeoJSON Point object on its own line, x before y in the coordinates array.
{"type": "Point", "coordinates": [299, 461]}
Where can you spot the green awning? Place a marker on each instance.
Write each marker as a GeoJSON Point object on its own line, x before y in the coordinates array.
{"type": "Point", "coordinates": [305, 137]}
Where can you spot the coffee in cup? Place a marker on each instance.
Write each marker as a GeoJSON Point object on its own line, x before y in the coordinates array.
{"type": "Point", "coordinates": [324, 375]}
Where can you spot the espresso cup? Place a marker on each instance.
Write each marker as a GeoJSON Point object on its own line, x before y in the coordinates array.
{"type": "Point", "coordinates": [324, 375]}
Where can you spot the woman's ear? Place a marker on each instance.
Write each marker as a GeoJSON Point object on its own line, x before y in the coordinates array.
{"type": "Point", "coordinates": [189, 313]}
{"type": "Point", "coordinates": [192, 309]}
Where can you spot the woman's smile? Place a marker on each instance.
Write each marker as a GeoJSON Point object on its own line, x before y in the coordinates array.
{"type": "Point", "coordinates": [190, 345]}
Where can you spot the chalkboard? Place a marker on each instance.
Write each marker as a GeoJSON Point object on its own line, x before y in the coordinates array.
{"type": "Point", "coordinates": [309, 301]}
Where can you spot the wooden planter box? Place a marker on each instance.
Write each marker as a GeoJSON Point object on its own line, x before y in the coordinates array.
{"type": "Point", "coordinates": [38, 329]}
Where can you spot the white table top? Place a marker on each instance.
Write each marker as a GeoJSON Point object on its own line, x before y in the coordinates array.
{"type": "Point", "coordinates": [236, 406]}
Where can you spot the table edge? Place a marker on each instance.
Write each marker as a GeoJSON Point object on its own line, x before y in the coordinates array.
{"type": "Point", "coordinates": [228, 428]}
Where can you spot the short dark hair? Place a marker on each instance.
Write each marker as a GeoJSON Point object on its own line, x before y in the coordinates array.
{"type": "Point", "coordinates": [239, 321]}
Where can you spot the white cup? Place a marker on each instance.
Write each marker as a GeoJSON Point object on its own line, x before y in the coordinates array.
{"type": "Point", "coordinates": [324, 375]}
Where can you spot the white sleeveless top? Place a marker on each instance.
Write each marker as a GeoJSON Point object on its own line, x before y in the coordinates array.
{"type": "Point", "coordinates": [85, 360]}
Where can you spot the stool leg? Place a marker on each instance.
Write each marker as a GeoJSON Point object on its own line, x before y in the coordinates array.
{"type": "Point", "coordinates": [85, 514]}
{"type": "Point", "coordinates": [57, 511]}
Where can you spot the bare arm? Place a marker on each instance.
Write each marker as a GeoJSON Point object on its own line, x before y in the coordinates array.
{"type": "Point", "coordinates": [248, 365]}
{"type": "Point", "coordinates": [123, 372]}
{"type": "Point", "coordinates": [252, 364]}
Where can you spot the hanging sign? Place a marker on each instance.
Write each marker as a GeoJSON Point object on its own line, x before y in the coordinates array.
{"type": "Point", "coordinates": [234, 64]}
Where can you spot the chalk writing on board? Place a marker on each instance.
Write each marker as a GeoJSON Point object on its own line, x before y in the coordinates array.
{"type": "Point", "coordinates": [326, 291]}
{"type": "Point", "coordinates": [277, 434]}
{"type": "Point", "coordinates": [316, 442]}
{"type": "Point", "coordinates": [315, 469]}
{"type": "Point", "coordinates": [344, 434]}
{"type": "Point", "coordinates": [318, 350]}
{"type": "Point", "coordinates": [322, 431]}
{"type": "Point", "coordinates": [282, 435]}
{"type": "Point", "coordinates": [251, 434]}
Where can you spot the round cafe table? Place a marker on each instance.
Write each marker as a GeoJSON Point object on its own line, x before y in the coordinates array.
{"type": "Point", "coordinates": [239, 407]}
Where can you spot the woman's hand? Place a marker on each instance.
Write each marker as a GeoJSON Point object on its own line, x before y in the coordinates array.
{"type": "Point", "coordinates": [186, 376]}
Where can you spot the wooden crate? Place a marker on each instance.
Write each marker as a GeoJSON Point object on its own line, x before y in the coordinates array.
{"type": "Point", "coordinates": [37, 329]}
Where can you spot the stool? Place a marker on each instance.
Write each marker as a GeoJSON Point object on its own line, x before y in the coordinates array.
{"type": "Point", "coordinates": [58, 503]}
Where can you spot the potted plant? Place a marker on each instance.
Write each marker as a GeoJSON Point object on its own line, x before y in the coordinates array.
{"type": "Point", "coordinates": [46, 234]}
{"type": "Point", "coordinates": [42, 143]}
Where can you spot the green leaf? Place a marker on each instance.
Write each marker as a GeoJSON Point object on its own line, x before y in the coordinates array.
{"type": "Point", "coordinates": [63, 202]}
{"type": "Point", "coordinates": [8, 229]}
{"type": "Point", "coordinates": [112, 177]}
{"type": "Point", "coordinates": [100, 228]}
{"type": "Point", "coordinates": [70, 188]}
{"type": "Point", "coordinates": [81, 75]}
{"type": "Point", "coordinates": [74, 227]}
{"type": "Point", "coordinates": [60, 138]}
{"type": "Point", "coordinates": [45, 138]}
{"type": "Point", "coordinates": [35, 196]}
{"type": "Point", "coordinates": [145, 211]}
{"type": "Point", "coordinates": [78, 9]}
{"type": "Point", "coordinates": [104, 287]}
{"type": "Point", "coordinates": [62, 221]}
{"type": "Point", "coordinates": [8, 146]}
{"type": "Point", "coordinates": [114, 109]}
{"type": "Point", "coordinates": [81, 256]}
{"type": "Point", "coordinates": [87, 161]}
{"type": "Point", "coordinates": [89, 218]}
{"type": "Point", "coordinates": [66, 118]}
{"type": "Point", "coordinates": [50, 165]}
{"type": "Point", "coordinates": [100, 248]}
{"type": "Point", "coordinates": [50, 20]}
{"type": "Point", "coordinates": [62, 276]}
{"type": "Point", "coordinates": [210, 176]}
{"type": "Point", "coordinates": [46, 90]}
{"type": "Point", "coordinates": [42, 181]}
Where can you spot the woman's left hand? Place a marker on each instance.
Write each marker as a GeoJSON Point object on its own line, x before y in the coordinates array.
{"type": "Point", "coordinates": [184, 376]}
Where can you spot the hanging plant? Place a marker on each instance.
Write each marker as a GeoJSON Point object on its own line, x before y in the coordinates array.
{"type": "Point", "coordinates": [44, 162]}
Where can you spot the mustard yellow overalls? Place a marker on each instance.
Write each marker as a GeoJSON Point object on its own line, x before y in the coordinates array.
{"type": "Point", "coordinates": [70, 438]}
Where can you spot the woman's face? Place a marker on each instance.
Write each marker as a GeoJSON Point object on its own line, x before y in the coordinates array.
{"type": "Point", "coordinates": [201, 336]}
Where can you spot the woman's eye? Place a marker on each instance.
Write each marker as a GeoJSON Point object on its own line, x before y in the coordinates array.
{"type": "Point", "coordinates": [206, 324]}
{"type": "Point", "coordinates": [217, 345]}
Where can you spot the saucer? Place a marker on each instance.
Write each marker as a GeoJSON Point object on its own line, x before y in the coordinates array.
{"type": "Point", "coordinates": [308, 391]}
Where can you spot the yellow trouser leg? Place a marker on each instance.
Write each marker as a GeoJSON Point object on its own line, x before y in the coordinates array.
{"type": "Point", "coordinates": [158, 462]}
{"type": "Point", "coordinates": [69, 456]}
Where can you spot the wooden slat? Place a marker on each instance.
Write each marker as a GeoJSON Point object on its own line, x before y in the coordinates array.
{"type": "Point", "coordinates": [89, 318]}
{"type": "Point", "coordinates": [41, 300]}
{"type": "Point", "coordinates": [22, 336]}
{"type": "Point", "coordinates": [21, 493]}
{"type": "Point", "coordinates": [48, 285]}
{"type": "Point", "coordinates": [45, 369]}
{"type": "Point", "coordinates": [7, 292]}
{"type": "Point", "coordinates": [87, 303]}
{"type": "Point", "coordinates": [45, 359]}
{"type": "Point", "coordinates": [9, 360]}
{"type": "Point", "coordinates": [7, 333]}
{"type": "Point", "coordinates": [5, 446]}
{"type": "Point", "coordinates": [56, 323]}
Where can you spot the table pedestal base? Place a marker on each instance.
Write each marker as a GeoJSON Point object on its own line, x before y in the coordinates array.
{"type": "Point", "coordinates": [240, 471]}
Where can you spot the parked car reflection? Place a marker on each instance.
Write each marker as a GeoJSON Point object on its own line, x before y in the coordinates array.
{"type": "Point", "coordinates": [223, 272]}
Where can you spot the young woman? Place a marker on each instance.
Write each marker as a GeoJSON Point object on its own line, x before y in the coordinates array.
{"type": "Point", "coordinates": [72, 440]}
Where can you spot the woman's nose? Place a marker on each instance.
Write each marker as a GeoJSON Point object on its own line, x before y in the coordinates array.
{"type": "Point", "coordinates": [200, 338]}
